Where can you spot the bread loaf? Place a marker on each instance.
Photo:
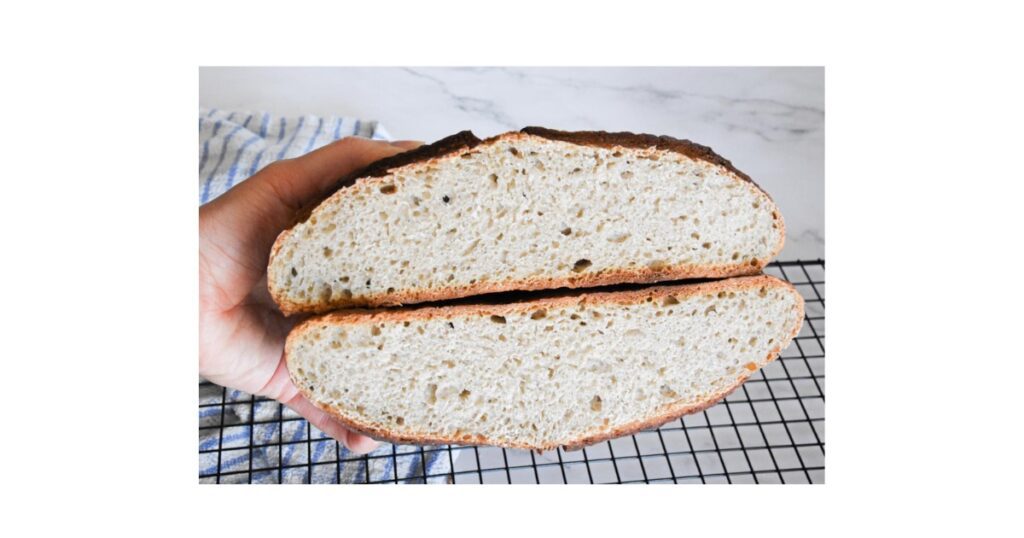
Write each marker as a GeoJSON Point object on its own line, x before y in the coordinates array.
{"type": "Point", "coordinates": [565, 370]}
{"type": "Point", "coordinates": [525, 210]}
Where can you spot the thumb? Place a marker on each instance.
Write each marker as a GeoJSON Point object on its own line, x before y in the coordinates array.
{"type": "Point", "coordinates": [407, 144]}
{"type": "Point", "coordinates": [283, 187]}
{"type": "Point", "coordinates": [356, 442]}
{"type": "Point", "coordinates": [247, 219]}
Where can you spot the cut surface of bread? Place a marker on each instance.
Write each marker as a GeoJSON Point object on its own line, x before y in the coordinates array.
{"type": "Point", "coordinates": [528, 210]}
{"type": "Point", "coordinates": [564, 371]}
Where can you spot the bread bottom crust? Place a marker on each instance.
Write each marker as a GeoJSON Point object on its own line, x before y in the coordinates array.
{"type": "Point", "coordinates": [583, 280]}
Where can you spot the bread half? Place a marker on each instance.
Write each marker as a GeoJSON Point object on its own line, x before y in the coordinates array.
{"type": "Point", "coordinates": [525, 210]}
{"type": "Point", "coordinates": [567, 371]}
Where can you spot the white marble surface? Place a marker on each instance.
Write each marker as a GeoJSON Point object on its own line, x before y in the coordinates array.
{"type": "Point", "coordinates": [770, 122]}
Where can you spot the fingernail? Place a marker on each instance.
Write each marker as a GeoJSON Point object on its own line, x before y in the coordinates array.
{"type": "Point", "coordinates": [361, 444]}
{"type": "Point", "coordinates": [407, 144]}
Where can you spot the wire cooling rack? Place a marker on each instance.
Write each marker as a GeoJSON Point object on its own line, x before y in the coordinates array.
{"type": "Point", "coordinates": [770, 430]}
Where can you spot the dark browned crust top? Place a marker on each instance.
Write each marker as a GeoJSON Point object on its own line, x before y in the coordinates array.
{"type": "Point", "coordinates": [449, 144]}
{"type": "Point", "coordinates": [627, 139]}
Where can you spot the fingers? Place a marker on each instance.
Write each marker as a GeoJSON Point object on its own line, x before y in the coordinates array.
{"type": "Point", "coordinates": [244, 222]}
{"type": "Point", "coordinates": [281, 388]}
{"type": "Point", "coordinates": [361, 444]}
{"type": "Point", "coordinates": [355, 442]}
{"type": "Point", "coordinates": [407, 144]}
{"type": "Point", "coordinates": [304, 179]}
{"type": "Point", "coordinates": [310, 175]}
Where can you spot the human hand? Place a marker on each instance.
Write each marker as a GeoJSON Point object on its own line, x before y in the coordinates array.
{"type": "Point", "coordinates": [241, 331]}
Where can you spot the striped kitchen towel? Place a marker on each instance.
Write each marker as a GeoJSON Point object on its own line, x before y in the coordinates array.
{"type": "Point", "coordinates": [247, 439]}
{"type": "Point", "coordinates": [235, 145]}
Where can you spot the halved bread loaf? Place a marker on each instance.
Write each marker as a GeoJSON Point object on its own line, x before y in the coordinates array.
{"type": "Point", "coordinates": [567, 370]}
{"type": "Point", "coordinates": [525, 210]}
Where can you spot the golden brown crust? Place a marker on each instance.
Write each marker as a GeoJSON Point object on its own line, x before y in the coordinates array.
{"type": "Point", "coordinates": [665, 414]}
{"type": "Point", "coordinates": [460, 143]}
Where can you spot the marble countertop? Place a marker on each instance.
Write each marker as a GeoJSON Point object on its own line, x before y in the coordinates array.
{"type": "Point", "coordinates": [770, 122]}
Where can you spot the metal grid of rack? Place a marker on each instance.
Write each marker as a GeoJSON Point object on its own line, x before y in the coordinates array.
{"type": "Point", "coordinates": [770, 430]}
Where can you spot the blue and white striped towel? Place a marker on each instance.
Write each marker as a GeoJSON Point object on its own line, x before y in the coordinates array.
{"type": "Point", "coordinates": [235, 145]}
{"type": "Point", "coordinates": [232, 147]}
